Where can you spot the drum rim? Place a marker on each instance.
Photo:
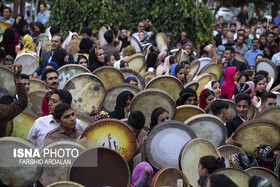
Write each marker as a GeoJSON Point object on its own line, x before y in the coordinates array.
{"type": "Point", "coordinates": [135, 56]}
{"type": "Point", "coordinates": [160, 127]}
{"type": "Point", "coordinates": [100, 71]}
{"type": "Point", "coordinates": [148, 73]}
{"type": "Point", "coordinates": [192, 82]}
{"type": "Point", "coordinates": [243, 59]}
{"type": "Point", "coordinates": [270, 63]}
{"type": "Point", "coordinates": [161, 34]}
{"type": "Point", "coordinates": [263, 169]}
{"type": "Point", "coordinates": [72, 65]}
{"type": "Point", "coordinates": [37, 81]}
{"type": "Point", "coordinates": [138, 43]}
{"type": "Point", "coordinates": [105, 149]}
{"type": "Point", "coordinates": [164, 77]}
{"type": "Point", "coordinates": [84, 115]}
{"type": "Point", "coordinates": [156, 177]}
{"type": "Point", "coordinates": [232, 146]}
{"type": "Point", "coordinates": [136, 74]}
{"type": "Point", "coordinates": [65, 182]}
{"type": "Point", "coordinates": [87, 130]}
{"type": "Point", "coordinates": [5, 90]}
{"type": "Point", "coordinates": [203, 70]}
{"type": "Point", "coordinates": [266, 110]}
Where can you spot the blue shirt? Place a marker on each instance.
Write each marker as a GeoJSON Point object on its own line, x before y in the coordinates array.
{"type": "Point", "coordinates": [251, 55]}
{"type": "Point", "coordinates": [43, 18]}
{"type": "Point", "coordinates": [11, 19]}
{"type": "Point", "coordinates": [276, 21]}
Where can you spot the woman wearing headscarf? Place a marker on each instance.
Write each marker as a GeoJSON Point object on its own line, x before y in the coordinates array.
{"type": "Point", "coordinates": [189, 49]}
{"type": "Point", "coordinates": [16, 22]}
{"type": "Point", "coordinates": [158, 115]}
{"type": "Point", "coordinates": [60, 57]}
{"type": "Point", "coordinates": [85, 47]}
{"type": "Point", "coordinates": [144, 40]}
{"type": "Point", "coordinates": [38, 29]}
{"type": "Point", "coordinates": [22, 28]}
{"type": "Point", "coordinates": [228, 87]}
{"type": "Point", "coordinates": [96, 58]}
{"type": "Point", "coordinates": [151, 61]}
{"type": "Point", "coordinates": [122, 107]}
{"type": "Point", "coordinates": [142, 175]}
{"type": "Point", "coordinates": [215, 87]}
{"type": "Point", "coordinates": [187, 97]}
{"type": "Point", "coordinates": [169, 62]}
{"type": "Point", "coordinates": [206, 97]}
{"type": "Point", "coordinates": [9, 42]}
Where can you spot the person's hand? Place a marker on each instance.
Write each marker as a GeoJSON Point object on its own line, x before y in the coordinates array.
{"type": "Point", "coordinates": [35, 75]}
{"type": "Point", "coordinates": [231, 141]}
{"type": "Point", "coordinates": [118, 35]}
{"type": "Point", "coordinates": [142, 142]}
{"type": "Point", "coordinates": [17, 68]}
{"type": "Point", "coordinates": [149, 23]}
{"type": "Point", "coordinates": [82, 141]}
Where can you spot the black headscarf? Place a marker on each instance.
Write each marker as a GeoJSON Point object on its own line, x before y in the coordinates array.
{"type": "Point", "coordinates": [93, 60]}
{"type": "Point", "coordinates": [184, 95]}
{"type": "Point", "coordinates": [9, 36]}
{"type": "Point", "coordinates": [85, 45]}
{"type": "Point", "coordinates": [154, 117]}
{"type": "Point", "coordinates": [152, 60]}
{"type": "Point", "coordinates": [120, 104]}
{"type": "Point", "coordinates": [58, 56]}
{"type": "Point", "coordinates": [21, 24]}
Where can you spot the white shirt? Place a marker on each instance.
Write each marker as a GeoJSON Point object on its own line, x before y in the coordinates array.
{"type": "Point", "coordinates": [243, 120]}
{"type": "Point", "coordinates": [276, 59]}
{"type": "Point", "coordinates": [42, 126]}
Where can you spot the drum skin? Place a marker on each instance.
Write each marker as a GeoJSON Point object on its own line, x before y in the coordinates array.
{"type": "Point", "coordinates": [67, 71]}
{"type": "Point", "coordinates": [190, 155]}
{"type": "Point", "coordinates": [192, 84]}
{"type": "Point", "coordinates": [227, 150]}
{"type": "Point", "coordinates": [153, 98]}
{"type": "Point", "coordinates": [194, 67]}
{"type": "Point", "coordinates": [87, 91]}
{"type": "Point", "coordinates": [148, 76]}
{"type": "Point", "coordinates": [58, 172]}
{"type": "Point", "coordinates": [271, 113]}
{"type": "Point", "coordinates": [268, 65]}
{"type": "Point", "coordinates": [185, 112]}
{"type": "Point", "coordinates": [264, 173]}
{"type": "Point", "coordinates": [12, 173]}
{"type": "Point", "coordinates": [22, 124]}
{"type": "Point", "coordinates": [28, 61]}
{"type": "Point", "coordinates": [169, 177]}
{"type": "Point", "coordinates": [136, 62]}
{"type": "Point", "coordinates": [6, 77]}
{"type": "Point", "coordinates": [161, 42]}
{"type": "Point", "coordinates": [167, 83]}
{"type": "Point", "coordinates": [257, 131]}
{"type": "Point", "coordinates": [214, 68]}
{"type": "Point", "coordinates": [35, 98]}
{"type": "Point", "coordinates": [110, 170]}
{"type": "Point", "coordinates": [239, 177]}
{"type": "Point", "coordinates": [202, 81]}
{"type": "Point", "coordinates": [84, 118]}
{"type": "Point", "coordinates": [109, 76]}
{"type": "Point", "coordinates": [113, 134]}
{"type": "Point", "coordinates": [112, 93]}
{"type": "Point", "coordinates": [209, 127]}
{"type": "Point", "coordinates": [36, 84]}
{"type": "Point", "coordinates": [165, 142]}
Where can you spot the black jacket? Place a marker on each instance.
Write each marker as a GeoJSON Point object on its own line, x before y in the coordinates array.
{"type": "Point", "coordinates": [233, 124]}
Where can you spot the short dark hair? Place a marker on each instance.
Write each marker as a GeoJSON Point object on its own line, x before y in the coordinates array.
{"type": "Point", "coordinates": [45, 5]}
{"type": "Point", "coordinates": [183, 63]}
{"type": "Point", "coordinates": [234, 24]}
{"type": "Point", "coordinates": [64, 96]}
{"type": "Point", "coordinates": [241, 35]}
{"type": "Point", "coordinates": [217, 106]}
{"type": "Point", "coordinates": [258, 78]}
{"type": "Point", "coordinates": [50, 70]}
{"type": "Point", "coordinates": [271, 33]}
{"type": "Point", "coordinates": [262, 72]}
{"type": "Point", "coordinates": [136, 119]}
{"type": "Point", "coordinates": [109, 36]}
{"type": "Point", "coordinates": [86, 30]}
{"type": "Point", "coordinates": [240, 30]}
{"type": "Point", "coordinates": [60, 109]}
{"type": "Point", "coordinates": [256, 39]}
{"type": "Point", "coordinates": [267, 95]}
{"type": "Point", "coordinates": [107, 58]}
{"type": "Point", "coordinates": [55, 29]}
{"type": "Point", "coordinates": [24, 76]}
{"type": "Point", "coordinates": [58, 34]}
{"type": "Point", "coordinates": [7, 8]}
{"type": "Point", "coordinates": [231, 49]}
{"type": "Point", "coordinates": [274, 27]}
{"type": "Point", "coordinates": [243, 96]}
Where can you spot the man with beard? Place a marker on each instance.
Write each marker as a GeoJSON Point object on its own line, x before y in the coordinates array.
{"type": "Point", "coordinates": [230, 41]}
{"type": "Point", "coordinates": [7, 15]}
{"type": "Point", "coordinates": [231, 60]}
{"type": "Point", "coordinates": [240, 46]}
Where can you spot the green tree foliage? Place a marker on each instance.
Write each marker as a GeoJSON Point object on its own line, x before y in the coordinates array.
{"type": "Point", "coordinates": [167, 16]}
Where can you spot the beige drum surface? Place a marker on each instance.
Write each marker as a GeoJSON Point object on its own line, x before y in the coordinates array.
{"type": "Point", "coordinates": [202, 81]}
{"type": "Point", "coordinates": [148, 100]}
{"type": "Point", "coordinates": [271, 113]}
{"type": "Point", "coordinates": [185, 112]}
{"type": "Point", "coordinates": [109, 76]}
{"type": "Point", "coordinates": [264, 173]}
{"type": "Point", "coordinates": [227, 150]}
{"type": "Point", "coordinates": [29, 63]}
{"type": "Point", "coordinates": [255, 132]}
{"type": "Point", "coordinates": [36, 84]}
{"type": "Point", "coordinates": [22, 124]}
{"type": "Point", "coordinates": [136, 62]}
{"type": "Point", "coordinates": [192, 84]}
{"type": "Point", "coordinates": [84, 118]}
{"type": "Point", "coordinates": [194, 66]}
{"type": "Point", "coordinates": [67, 71]}
{"type": "Point", "coordinates": [7, 80]}
{"type": "Point", "coordinates": [209, 127]}
{"type": "Point", "coordinates": [112, 93]}
{"type": "Point", "coordinates": [161, 42]}
{"type": "Point", "coordinates": [214, 68]}
{"type": "Point", "coordinates": [87, 91]}
{"type": "Point", "coordinates": [190, 155]}
{"type": "Point", "coordinates": [165, 142]}
{"type": "Point", "coordinates": [11, 172]}
{"type": "Point", "coordinates": [59, 172]}
{"type": "Point", "coordinates": [35, 98]}
{"type": "Point", "coordinates": [267, 65]}
{"type": "Point", "coordinates": [148, 76]}
{"type": "Point", "coordinates": [167, 83]}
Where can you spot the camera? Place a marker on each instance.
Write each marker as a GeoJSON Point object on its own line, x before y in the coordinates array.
{"type": "Point", "coordinates": [124, 33]}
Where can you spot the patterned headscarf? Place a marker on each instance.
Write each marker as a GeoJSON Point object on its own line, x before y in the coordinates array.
{"type": "Point", "coordinates": [142, 175]}
{"type": "Point", "coordinates": [28, 44]}
{"type": "Point", "coordinates": [241, 161]}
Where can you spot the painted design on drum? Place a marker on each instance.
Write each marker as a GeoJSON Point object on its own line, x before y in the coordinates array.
{"type": "Point", "coordinates": [35, 101]}
{"type": "Point", "coordinates": [111, 142]}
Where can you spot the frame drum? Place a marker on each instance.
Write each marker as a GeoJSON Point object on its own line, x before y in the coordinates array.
{"type": "Point", "coordinates": [109, 76]}
{"type": "Point", "coordinates": [58, 172]}
{"type": "Point", "coordinates": [257, 131]}
{"type": "Point", "coordinates": [67, 71]}
{"type": "Point", "coordinates": [185, 112]}
{"type": "Point", "coordinates": [165, 142]}
{"type": "Point", "coordinates": [167, 83]}
{"type": "Point", "coordinates": [112, 92]}
{"type": "Point", "coordinates": [84, 118]}
{"type": "Point", "coordinates": [161, 42]}
{"type": "Point", "coordinates": [136, 62]}
{"type": "Point", "coordinates": [12, 173]}
{"type": "Point", "coordinates": [35, 99]}
{"type": "Point", "coordinates": [28, 61]}
{"type": "Point", "coordinates": [192, 84]}
{"type": "Point", "coordinates": [3, 91]}
{"type": "Point", "coordinates": [204, 61]}
{"type": "Point", "coordinates": [148, 100]}
{"type": "Point", "coordinates": [128, 72]}
{"type": "Point", "coordinates": [202, 80]}
{"type": "Point", "coordinates": [227, 150]}
{"type": "Point", "coordinates": [22, 124]}
{"type": "Point", "coordinates": [271, 113]}
{"type": "Point", "coordinates": [190, 155]}
{"type": "Point", "coordinates": [263, 173]}
{"type": "Point", "coordinates": [36, 84]}
{"type": "Point", "coordinates": [6, 80]}
{"type": "Point", "coordinates": [267, 65]}
{"type": "Point", "coordinates": [84, 87]}
{"type": "Point", "coordinates": [209, 127]}
{"type": "Point", "coordinates": [239, 177]}
{"type": "Point", "coordinates": [194, 67]}
{"type": "Point", "coordinates": [136, 44]}
{"type": "Point", "coordinates": [213, 68]}
{"type": "Point", "coordinates": [111, 133]}
{"type": "Point", "coordinates": [148, 76]}
{"type": "Point", "coordinates": [241, 59]}
{"type": "Point", "coordinates": [42, 38]}
{"type": "Point", "coordinates": [170, 177]}
{"type": "Point", "coordinates": [65, 184]}
{"type": "Point", "coordinates": [110, 170]}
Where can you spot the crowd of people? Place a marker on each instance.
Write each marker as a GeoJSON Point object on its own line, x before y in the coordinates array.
{"type": "Point", "coordinates": [254, 40]}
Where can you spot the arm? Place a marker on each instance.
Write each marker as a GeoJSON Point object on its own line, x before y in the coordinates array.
{"type": "Point", "coordinates": [71, 59]}
{"type": "Point", "coordinates": [154, 30]}
{"type": "Point", "coordinates": [15, 108]}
